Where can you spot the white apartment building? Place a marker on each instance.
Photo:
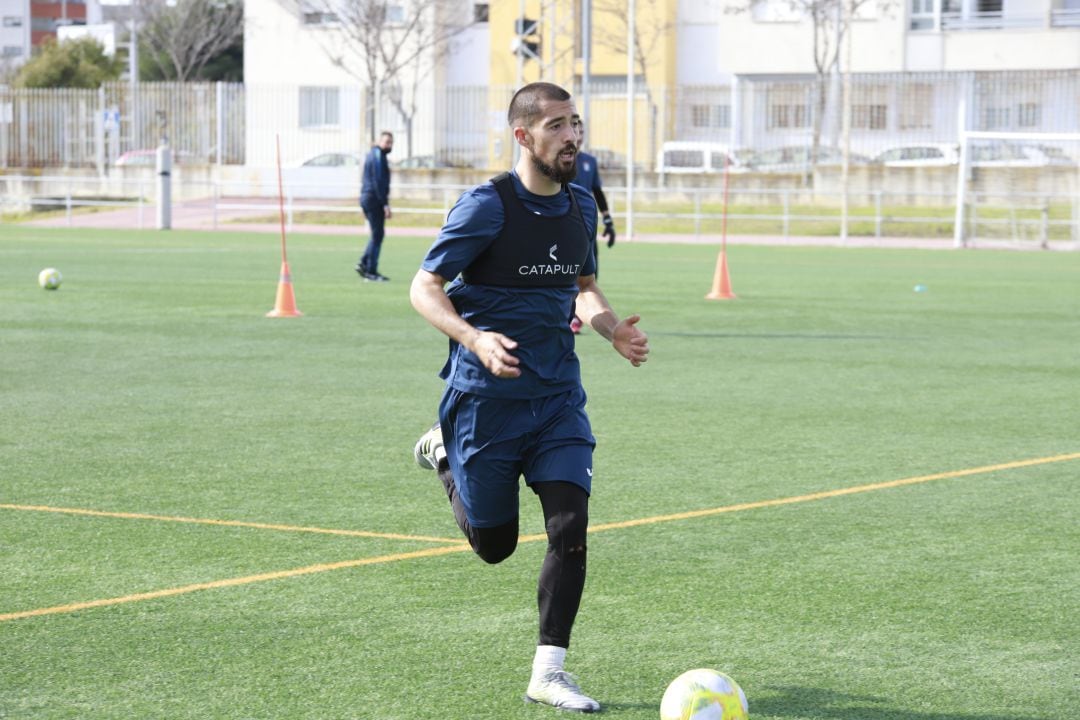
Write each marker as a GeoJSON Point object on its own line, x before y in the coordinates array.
{"type": "Point", "coordinates": [14, 31]}
{"type": "Point", "coordinates": [299, 71]}
{"type": "Point", "coordinates": [1014, 64]}
{"type": "Point", "coordinates": [897, 35]}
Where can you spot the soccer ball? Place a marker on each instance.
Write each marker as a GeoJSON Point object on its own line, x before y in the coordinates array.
{"type": "Point", "coordinates": [49, 278]}
{"type": "Point", "coordinates": [703, 695]}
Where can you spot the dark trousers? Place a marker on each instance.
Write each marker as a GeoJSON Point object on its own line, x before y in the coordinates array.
{"type": "Point", "coordinates": [376, 218]}
{"type": "Point", "coordinates": [562, 575]}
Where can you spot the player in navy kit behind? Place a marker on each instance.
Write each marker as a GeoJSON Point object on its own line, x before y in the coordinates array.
{"type": "Point", "coordinates": [588, 177]}
{"type": "Point", "coordinates": [516, 252]}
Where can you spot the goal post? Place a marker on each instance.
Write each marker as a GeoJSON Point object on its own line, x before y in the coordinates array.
{"type": "Point", "coordinates": [1018, 189]}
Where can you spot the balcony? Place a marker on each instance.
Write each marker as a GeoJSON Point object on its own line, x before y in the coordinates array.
{"type": "Point", "coordinates": [1065, 17]}
{"type": "Point", "coordinates": [953, 21]}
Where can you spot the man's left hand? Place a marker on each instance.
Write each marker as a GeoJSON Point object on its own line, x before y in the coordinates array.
{"type": "Point", "coordinates": [630, 342]}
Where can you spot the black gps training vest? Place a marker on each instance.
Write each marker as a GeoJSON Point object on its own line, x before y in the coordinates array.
{"type": "Point", "coordinates": [532, 250]}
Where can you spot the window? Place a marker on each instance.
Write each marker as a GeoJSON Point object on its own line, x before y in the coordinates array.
{"type": "Point", "coordinates": [395, 15]}
{"type": "Point", "coordinates": [710, 116]}
{"type": "Point", "coordinates": [12, 21]}
{"type": "Point", "coordinates": [12, 51]}
{"type": "Point", "coordinates": [869, 117]}
{"type": "Point", "coordinates": [996, 118]}
{"type": "Point", "coordinates": [315, 13]}
{"type": "Point", "coordinates": [480, 12]}
{"type": "Point", "coordinates": [787, 116]}
{"type": "Point", "coordinates": [1029, 115]}
{"type": "Point", "coordinates": [788, 108]}
{"type": "Point", "coordinates": [1065, 13]}
{"type": "Point", "coordinates": [318, 18]}
{"type": "Point", "coordinates": [870, 107]}
{"type": "Point", "coordinates": [917, 107]}
{"type": "Point", "coordinates": [922, 15]}
{"type": "Point", "coordinates": [319, 106]}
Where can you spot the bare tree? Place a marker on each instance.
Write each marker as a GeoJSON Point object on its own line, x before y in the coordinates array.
{"type": "Point", "coordinates": [183, 35]}
{"type": "Point", "coordinates": [611, 33]}
{"type": "Point", "coordinates": [829, 22]}
{"type": "Point", "coordinates": [391, 46]}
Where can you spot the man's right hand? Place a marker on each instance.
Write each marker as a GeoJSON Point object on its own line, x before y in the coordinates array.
{"type": "Point", "coordinates": [492, 349]}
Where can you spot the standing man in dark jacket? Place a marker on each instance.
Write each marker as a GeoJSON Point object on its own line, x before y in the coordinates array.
{"type": "Point", "coordinates": [375, 201]}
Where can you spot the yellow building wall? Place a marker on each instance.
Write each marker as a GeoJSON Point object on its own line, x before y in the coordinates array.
{"type": "Point", "coordinates": [560, 26]}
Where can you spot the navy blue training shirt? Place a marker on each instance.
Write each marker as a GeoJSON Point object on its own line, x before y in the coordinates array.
{"type": "Point", "coordinates": [588, 174]}
{"type": "Point", "coordinates": [537, 318]}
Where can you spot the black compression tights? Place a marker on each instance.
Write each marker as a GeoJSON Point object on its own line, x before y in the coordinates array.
{"type": "Point", "coordinates": [562, 576]}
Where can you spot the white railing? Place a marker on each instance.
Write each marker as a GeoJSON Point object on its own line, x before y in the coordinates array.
{"type": "Point", "coordinates": [784, 208]}
{"type": "Point", "coordinates": [991, 21]}
{"type": "Point", "coordinates": [1066, 17]}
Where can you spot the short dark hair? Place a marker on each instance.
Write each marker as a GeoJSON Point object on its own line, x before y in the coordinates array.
{"type": "Point", "coordinates": [525, 105]}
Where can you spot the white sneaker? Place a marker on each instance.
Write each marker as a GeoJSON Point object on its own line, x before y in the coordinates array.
{"type": "Point", "coordinates": [429, 448]}
{"type": "Point", "coordinates": [558, 689]}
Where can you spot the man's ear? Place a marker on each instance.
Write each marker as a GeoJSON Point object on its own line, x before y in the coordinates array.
{"type": "Point", "coordinates": [522, 137]}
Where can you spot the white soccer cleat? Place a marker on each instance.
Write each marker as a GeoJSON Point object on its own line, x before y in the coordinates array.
{"type": "Point", "coordinates": [558, 689]}
{"type": "Point", "coordinates": [429, 448]}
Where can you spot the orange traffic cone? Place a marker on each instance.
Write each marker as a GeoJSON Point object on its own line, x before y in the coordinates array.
{"type": "Point", "coordinates": [721, 286]}
{"type": "Point", "coordinates": [285, 304]}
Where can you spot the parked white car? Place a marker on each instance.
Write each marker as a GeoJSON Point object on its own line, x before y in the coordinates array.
{"type": "Point", "coordinates": [332, 175]}
{"type": "Point", "coordinates": [796, 158]}
{"type": "Point", "coordinates": [335, 160]}
{"type": "Point", "coordinates": [924, 155]}
{"type": "Point", "coordinates": [696, 157]}
{"type": "Point", "coordinates": [1011, 154]}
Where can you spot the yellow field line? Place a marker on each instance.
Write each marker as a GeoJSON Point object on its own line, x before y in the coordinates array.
{"type": "Point", "coordinates": [232, 582]}
{"type": "Point", "coordinates": [229, 523]}
{"type": "Point", "coordinates": [446, 550]}
{"type": "Point", "coordinates": [689, 515]}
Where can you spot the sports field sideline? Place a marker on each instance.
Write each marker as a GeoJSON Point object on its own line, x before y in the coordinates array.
{"type": "Point", "coordinates": [856, 499]}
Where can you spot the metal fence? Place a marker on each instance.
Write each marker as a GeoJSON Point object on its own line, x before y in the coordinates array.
{"type": "Point", "coordinates": [1001, 211]}
{"type": "Point", "coordinates": [770, 124]}
{"type": "Point", "coordinates": [76, 128]}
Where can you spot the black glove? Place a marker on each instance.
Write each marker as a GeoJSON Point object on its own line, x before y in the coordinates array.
{"type": "Point", "coordinates": [609, 230]}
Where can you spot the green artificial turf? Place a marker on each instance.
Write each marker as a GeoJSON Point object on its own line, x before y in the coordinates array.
{"type": "Point", "coordinates": [151, 387]}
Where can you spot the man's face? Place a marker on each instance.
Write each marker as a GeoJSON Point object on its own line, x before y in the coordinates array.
{"type": "Point", "coordinates": [553, 140]}
{"type": "Point", "coordinates": [386, 142]}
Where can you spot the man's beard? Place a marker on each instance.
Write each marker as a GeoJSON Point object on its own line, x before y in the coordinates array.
{"type": "Point", "coordinates": [553, 173]}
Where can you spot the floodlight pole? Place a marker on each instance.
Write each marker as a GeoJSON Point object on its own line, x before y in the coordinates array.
{"type": "Point", "coordinates": [959, 239]}
{"type": "Point", "coordinates": [133, 81]}
{"type": "Point", "coordinates": [845, 172]}
{"type": "Point", "coordinates": [586, 59]}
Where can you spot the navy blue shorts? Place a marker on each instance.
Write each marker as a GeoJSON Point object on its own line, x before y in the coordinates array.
{"type": "Point", "coordinates": [491, 442]}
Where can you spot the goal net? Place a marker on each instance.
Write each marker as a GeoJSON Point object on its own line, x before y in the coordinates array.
{"type": "Point", "coordinates": [1018, 190]}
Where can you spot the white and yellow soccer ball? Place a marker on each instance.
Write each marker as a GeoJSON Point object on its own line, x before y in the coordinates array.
{"type": "Point", "coordinates": [49, 278]}
{"type": "Point", "coordinates": [703, 695]}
